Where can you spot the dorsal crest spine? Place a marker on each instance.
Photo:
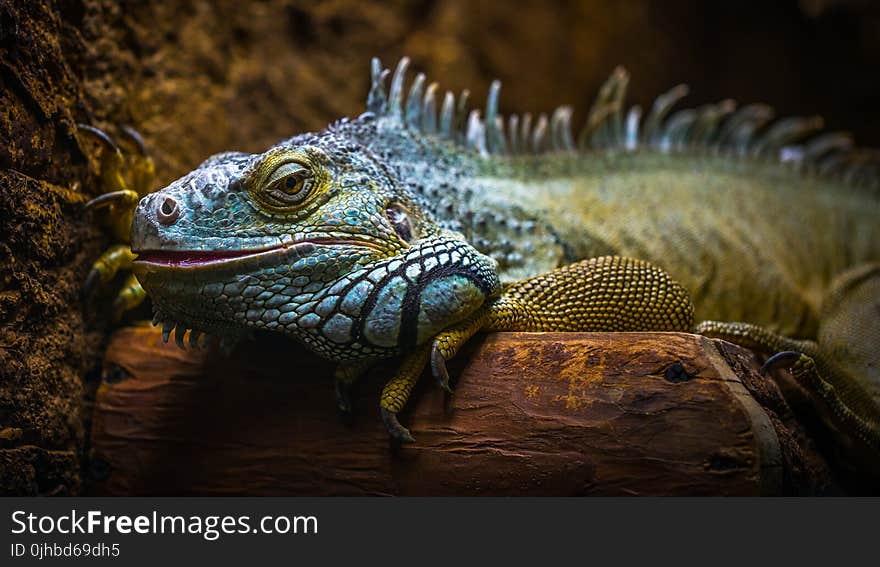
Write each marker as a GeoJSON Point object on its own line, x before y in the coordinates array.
{"type": "Point", "coordinates": [722, 128]}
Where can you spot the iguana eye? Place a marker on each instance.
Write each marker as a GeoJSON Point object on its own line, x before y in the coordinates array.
{"type": "Point", "coordinates": [400, 221]}
{"type": "Point", "coordinates": [288, 185]}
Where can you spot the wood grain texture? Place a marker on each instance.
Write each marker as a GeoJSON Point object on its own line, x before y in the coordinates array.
{"type": "Point", "coordinates": [533, 414]}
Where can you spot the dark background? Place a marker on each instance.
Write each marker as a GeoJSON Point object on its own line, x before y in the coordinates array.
{"type": "Point", "coordinates": [199, 77]}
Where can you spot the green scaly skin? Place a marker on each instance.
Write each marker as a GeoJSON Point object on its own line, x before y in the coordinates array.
{"type": "Point", "coordinates": [393, 234]}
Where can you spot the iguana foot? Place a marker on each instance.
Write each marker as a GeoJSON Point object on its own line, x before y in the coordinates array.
{"type": "Point", "coordinates": [104, 269]}
{"type": "Point", "coordinates": [123, 182]}
{"type": "Point", "coordinates": [142, 170]}
{"type": "Point", "coordinates": [447, 343]}
{"type": "Point", "coordinates": [129, 297]}
{"type": "Point", "coordinates": [808, 374]}
{"type": "Point", "coordinates": [394, 395]}
{"type": "Point", "coordinates": [397, 390]}
{"type": "Point", "coordinates": [397, 432]}
{"type": "Point", "coordinates": [850, 405]}
{"type": "Point", "coordinates": [438, 368]}
{"type": "Point", "coordinates": [134, 170]}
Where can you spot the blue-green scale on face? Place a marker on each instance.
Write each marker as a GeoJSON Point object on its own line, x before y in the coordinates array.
{"type": "Point", "coordinates": [355, 298]}
{"type": "Point", "coordinates": [338, 328]}
{"type": "Point", "coordinates": [442, 298]}
{"type": "Point", "coordinates": [309, 321]}
{"type": "Point", "coordinates": [382, 323]}
{"type": "Point", "coordinates": [326, 306]}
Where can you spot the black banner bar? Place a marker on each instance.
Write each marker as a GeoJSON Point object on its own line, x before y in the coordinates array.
{"type": "Point", "coordinates": [134, 531]}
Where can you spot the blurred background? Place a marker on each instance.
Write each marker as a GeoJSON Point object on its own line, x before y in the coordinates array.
{"type": "Point", "coordinates": [198, 77]}
{"type": "Point", "coordinates": [267, 70]}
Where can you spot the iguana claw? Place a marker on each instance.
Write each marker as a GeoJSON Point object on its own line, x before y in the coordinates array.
{"type": "Point", "coordinates": [395, 430]}
{"type": "Point", "coordinates": [438, 368]}
{"type": "Point", "coordinates": [135, 137]}
{"type": "Point", "coordinates": [781, 360]}
{"type": "Point", "coordinates": [100, 136]}
{"type": "Point", "coordinates": [112, 198]}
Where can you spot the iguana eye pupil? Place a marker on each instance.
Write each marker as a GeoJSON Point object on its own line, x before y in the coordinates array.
{"type": "Point", "coordinates": [292, 183]}
{"type": "Point", "coordinates": [289, 185]}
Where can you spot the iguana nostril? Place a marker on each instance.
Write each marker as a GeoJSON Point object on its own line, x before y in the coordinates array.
{"type": "Point", "coordinates": [168, 211]}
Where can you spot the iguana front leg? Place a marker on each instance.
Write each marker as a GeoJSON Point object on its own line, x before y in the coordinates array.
{"type": "Point", "coordinates": [395, 394]}
{"type": "Point", "coordinates": [601, 294]}
{"type": "Point", "coordinates": [119, 198]}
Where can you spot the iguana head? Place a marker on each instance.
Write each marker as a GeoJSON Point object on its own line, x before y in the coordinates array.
{"type": "Point", "coordinates": [315, 238]}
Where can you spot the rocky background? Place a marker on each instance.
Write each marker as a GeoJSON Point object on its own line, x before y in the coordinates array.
{"type": "Point", "coordinates": [198, 77]}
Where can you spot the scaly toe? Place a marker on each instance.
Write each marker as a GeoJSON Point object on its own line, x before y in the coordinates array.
{"type": "Point", "coordinates": [395, 430]}
{"type": "Point", "coordinates": [439, 370]}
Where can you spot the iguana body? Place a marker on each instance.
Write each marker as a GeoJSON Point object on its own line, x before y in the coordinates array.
{"type": "Point", "coordinates": [752, 241]}
{"type": "Point", "coordinates": [387, 234]}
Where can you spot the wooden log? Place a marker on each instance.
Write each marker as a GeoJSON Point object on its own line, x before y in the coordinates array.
{"type": "Point", "coordinates": [533, 414]}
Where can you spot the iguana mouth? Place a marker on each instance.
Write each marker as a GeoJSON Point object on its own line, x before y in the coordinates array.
{"type": "Point", "coordinates": [200, 259]}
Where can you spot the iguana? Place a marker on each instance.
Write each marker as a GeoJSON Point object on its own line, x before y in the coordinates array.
{"type": "Point", "coordinates": [405, 231]}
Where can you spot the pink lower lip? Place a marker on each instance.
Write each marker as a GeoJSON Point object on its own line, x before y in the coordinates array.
{"type": "Point", "coordinates": [193, 258]}
{"type": "Point", "coordinates": [202, 258]}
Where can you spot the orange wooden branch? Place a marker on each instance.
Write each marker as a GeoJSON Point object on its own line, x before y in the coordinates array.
{"type": "Point", "coordinates": [533, 414]}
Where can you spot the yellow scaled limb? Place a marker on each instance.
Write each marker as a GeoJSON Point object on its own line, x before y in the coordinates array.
{"type": "Point", "coordinates": [397, 391]}
{"type": "Point", "coordinates": [754, 337]}
{"type": "Point", "coordinates": [601, 294]}
{"type": "Point", "coordinates": [129, 297]}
